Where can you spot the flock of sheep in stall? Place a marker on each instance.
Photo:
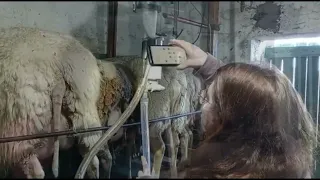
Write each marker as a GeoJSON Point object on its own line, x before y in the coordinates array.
{"type": "Point", "coordinates": [50, 82]}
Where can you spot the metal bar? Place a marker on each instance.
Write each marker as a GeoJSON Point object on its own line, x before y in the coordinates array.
{"type": "Point", "coordinates": [310, 96]}
{"type": "Point", "coordinates": [184, 20]}
{"type": "Point", "coordinates": [318, 99]}
{"type": "Point", "coordinates": [215, 15]}
{"type": "Point", "coordinates": [317, 118]}
{"type": "Point", "coordinates": [299, 75]}
{"type": "Point", "coordinates": [306, 82]}
{"type": "Point", "coordinates": [294, 64]}
{"type": "Point", "coordinates": [286, 52]}
{"type": "Point", "coordinates": [145, 128]}
{"type": "Point", "coordinates": [288, 68]}
{"type": "Point", "coordinates": [71, 132]}
{"type": "Point", "coordinates": [112, 28]}
{"type": "Point", "coordinates": [213, 21]}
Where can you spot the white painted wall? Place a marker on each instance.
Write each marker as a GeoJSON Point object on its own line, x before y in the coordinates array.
{"type": "Point", "coordinates": [87, 21]}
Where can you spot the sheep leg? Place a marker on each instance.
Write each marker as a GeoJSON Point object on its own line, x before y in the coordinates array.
{"type": "Point", "coordinates": [93, 168]}
{"type": "Point", "coordinates": [157, 147]}
{"type": "Point", "coordinates": [190, 144]}
{"type": "Point", "coordinates": [57, 96]}
{"type": "Point", "coordinates": [31, 167]}
{"type": "Point", "coordinates": [106, 160]}
{"type": "Point", "coordinates": [129, 154]}
{"type": "Point", "coordinates": [130, 149]}
{"type": "Point", "coordinates": [86, 142]}
{"type": "Point", "coordinates": [174, 154]}
{"type": "Point", "coordinates": [171, 151]}
{"type": "Point", "coordinates": [184, 148]}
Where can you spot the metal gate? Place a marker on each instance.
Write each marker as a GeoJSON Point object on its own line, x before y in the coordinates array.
{"type": "Point", "coordinates": [301, 64]}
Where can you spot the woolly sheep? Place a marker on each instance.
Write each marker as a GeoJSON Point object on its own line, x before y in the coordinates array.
{"type": "Point", "coordinates": [33, 63]}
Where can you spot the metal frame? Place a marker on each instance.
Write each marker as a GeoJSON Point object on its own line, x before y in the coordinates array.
{"type": "Point", "coordinates": [303, 60]}
{"type": "Point", "coordinates": [184, 20]}
{"type": "Point", "coordinates": [112, 28]}
{"type": "Point", "coordinates": [284, 52]}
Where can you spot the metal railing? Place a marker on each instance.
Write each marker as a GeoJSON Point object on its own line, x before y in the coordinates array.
{"type": "Point", "coordinates": [302, 67]}
{"type": "Point", "coordinates": [72, 132]}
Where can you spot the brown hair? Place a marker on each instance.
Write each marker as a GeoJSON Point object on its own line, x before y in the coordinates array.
{"type": "Point", "coordinates": [259, 127]}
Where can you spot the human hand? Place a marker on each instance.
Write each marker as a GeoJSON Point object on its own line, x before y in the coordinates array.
{"type": "Point", "coordinates": [145, 173]}
{"type": "Point", "coordinates": [195, 56]}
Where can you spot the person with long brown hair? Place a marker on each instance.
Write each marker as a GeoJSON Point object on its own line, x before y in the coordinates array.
{"type": "Point", "coordinates": [255, 122]}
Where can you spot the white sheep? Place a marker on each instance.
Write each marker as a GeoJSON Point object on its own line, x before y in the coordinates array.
{"type": "Point", "coordinates": [186, 134]}
{"type": "Point", "coordinates": [180, 96]}
{"type": "Point", "coordinates": [194, 88]}
{"type": "Point", "coordinates": [115, 88]}
{"type": "Point", "coordinates": [37, 69]}
{"type": "Point", "coordinates": [116, 91]}
{"type": "Point", "coordinates": [165, 103]}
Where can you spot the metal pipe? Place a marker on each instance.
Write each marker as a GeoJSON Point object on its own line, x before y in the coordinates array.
{"type": "Point", "coordinates": [318, 108]}
{"type": "Point", "coordinates": [175, 14]}
{"type": "Point", "coordinates": [72, 132]}
{"type": "Point", "coordinates": [318, 98]}
{"type": "Point", "coordinates": [184, 20]}
{"type": "Point", "coordinates": [145, 127]}
{"type": "Point", "coordinates": [112, 28]}
{"type": "Point", "coordinates": [149, 21]}
{"type": "Point", "coordinates": [294, 64]}
{"type": "Point", "coordinates": [213, 24]}
{"type": "Point", "coordinates": [306, 81]}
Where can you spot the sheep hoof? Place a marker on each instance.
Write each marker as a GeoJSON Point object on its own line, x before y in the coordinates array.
{"type": "Point", "coordinates": [38, 174]}
{"type": "Point", "coordinates": [55, 173]}
{"type": "Point", "coordinates": [93, 169]}
{"type": "Point", "coordinates": [183, 164]}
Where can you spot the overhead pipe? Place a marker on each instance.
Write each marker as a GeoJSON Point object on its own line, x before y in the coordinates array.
{"type": "Point", "coordinates": [112, 28]}
{"type": "Point", "coordinates": [184, 20]}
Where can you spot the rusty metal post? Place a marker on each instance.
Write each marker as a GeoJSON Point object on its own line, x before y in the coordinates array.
{"type": "Point", "coordinates": [112, 28]}
{"type": "Point", "coordinates": [213, 22]}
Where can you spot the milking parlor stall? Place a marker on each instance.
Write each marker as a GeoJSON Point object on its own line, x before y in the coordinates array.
{"type": "Point", "coordinates": [87, 88]}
